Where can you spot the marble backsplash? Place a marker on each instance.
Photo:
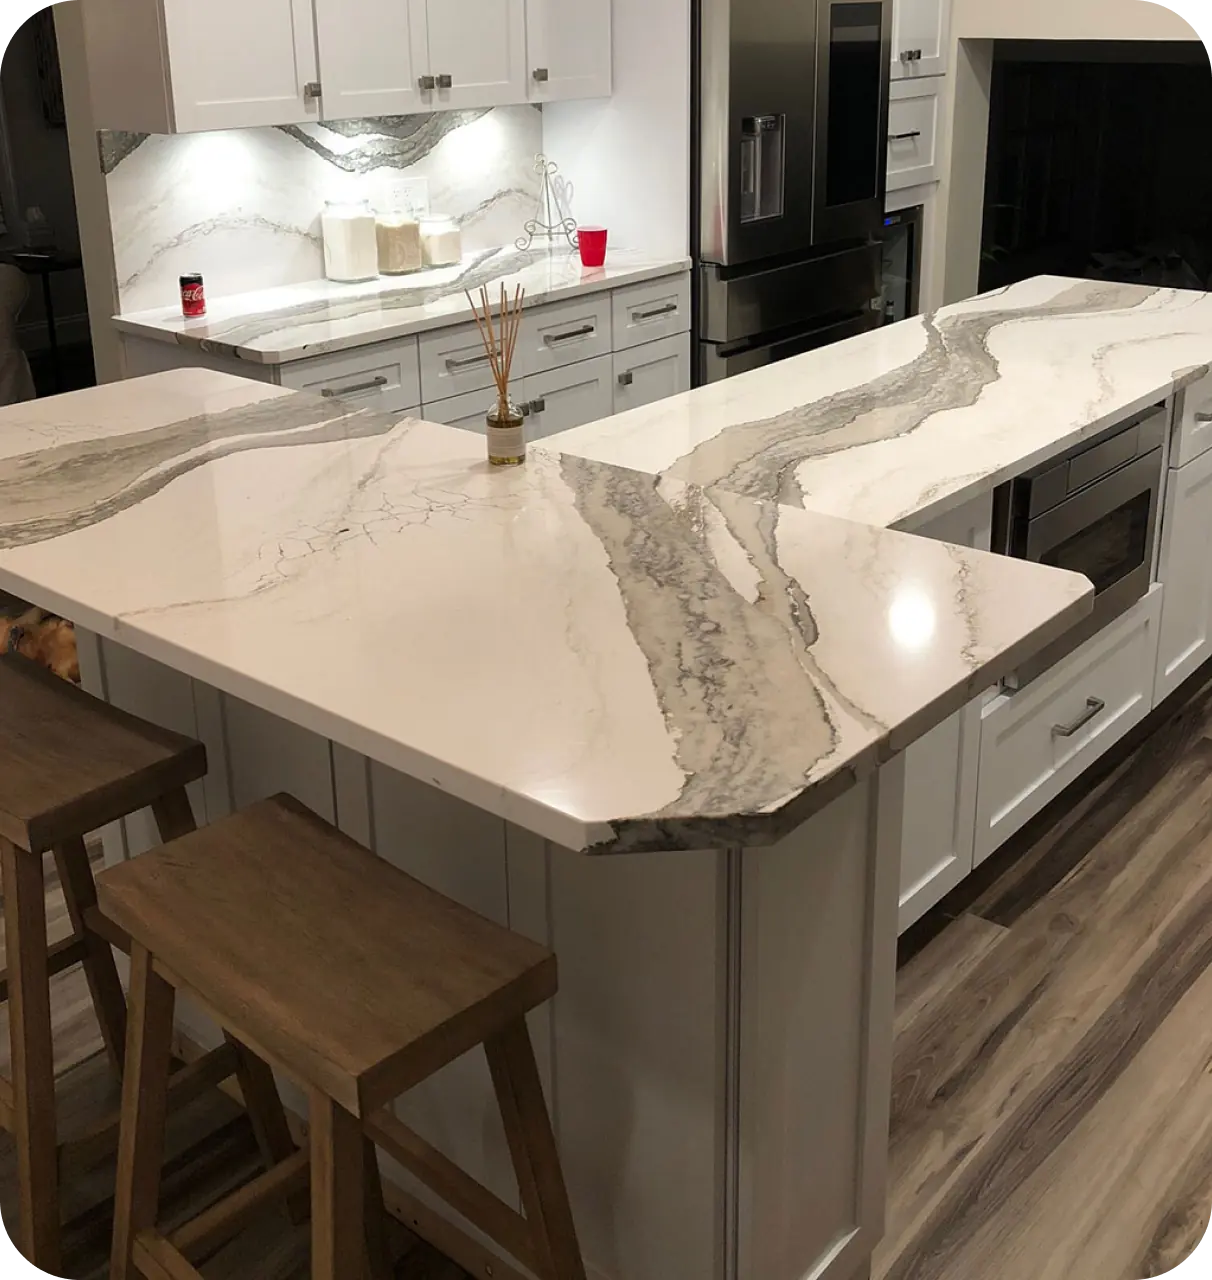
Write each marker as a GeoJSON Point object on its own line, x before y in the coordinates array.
{"type": "Point", "coordinates": [243, 206]}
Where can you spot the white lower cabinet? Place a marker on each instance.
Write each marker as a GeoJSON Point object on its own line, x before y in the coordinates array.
{"type": "Point", "coordinates": [384, 376]}
{"type": "Point", "coordinates": [1038, 740]}
{"type": "Point", "coordinates": [938, 828]}
{"type": "Point", "coordinates": [652, 372]}
{"type": "Point", "coordinates": [569, 397]}
{"type": "Point", "coordinates": [1186, 569]}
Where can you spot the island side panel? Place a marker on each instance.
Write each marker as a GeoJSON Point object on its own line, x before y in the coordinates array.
{"type": "Point", "coordinates": [817, 976]}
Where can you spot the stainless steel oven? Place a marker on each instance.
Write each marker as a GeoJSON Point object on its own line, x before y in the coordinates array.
{"type": "Point", "coordinates": [1094, 511]}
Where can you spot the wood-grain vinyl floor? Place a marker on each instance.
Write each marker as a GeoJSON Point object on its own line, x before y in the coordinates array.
{"type": "Point", "coordinates": [1052, 1098]}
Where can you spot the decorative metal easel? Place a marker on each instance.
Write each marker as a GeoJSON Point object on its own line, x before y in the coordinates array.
{"type": "Point", "coordinates": [553, 220]}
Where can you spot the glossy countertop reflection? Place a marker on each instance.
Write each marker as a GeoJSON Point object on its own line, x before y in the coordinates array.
{"type": "Point", "coordinates": [293, 322]}
{"type": "Point", "coordinates": [613, 660]}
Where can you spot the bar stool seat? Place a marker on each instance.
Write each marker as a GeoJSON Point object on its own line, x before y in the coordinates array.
{"type": "Point", "coordinates": [70, 764]}
{"type": "Point", "coordinates": [359, 982]}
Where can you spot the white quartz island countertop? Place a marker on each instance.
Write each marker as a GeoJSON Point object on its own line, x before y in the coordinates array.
{"type": "Point", "coordinates": [276, 326]}
{"type": "Point", "coordinates": [614, 661]}
{"type": "Point", "coordinates": [897, 426]}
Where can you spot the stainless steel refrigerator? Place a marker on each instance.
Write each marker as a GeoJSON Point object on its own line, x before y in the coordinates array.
{"type": "Point", "coordinates": [790, 158]}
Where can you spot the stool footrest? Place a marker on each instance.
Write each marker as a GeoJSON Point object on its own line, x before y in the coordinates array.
{"type": "Point", "coordinates": [221, 1221]}
{"type": "Point", "coordinates": [62, 955]}
{"type": "Point", "coordinates": [483, 1209]}
{"type": "Point", "coordinates": [157, 1259]}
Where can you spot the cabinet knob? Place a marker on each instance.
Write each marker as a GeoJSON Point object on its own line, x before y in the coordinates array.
{"type": "Point", "coordinates": [427, 84]}
{"type": "Point", "coordinates": [539, 405]}
{"type": "Point", "coordinates": [445, 82]}
{"type": "Point", "coordinates": [541, 75]}
{"type": "Point", "coordinates": [312, 91]}
{"type": "Point", "coordinates": [626, 378]}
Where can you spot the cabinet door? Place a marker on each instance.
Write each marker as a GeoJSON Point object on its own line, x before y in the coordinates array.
{"type": "Point", "coordinates": [372, 54]}
{"type": "Point", "coordinates": [919, 38]}
{"type": "Point", "coordinates": [235, 64]}
{"type": "Point", "coordinates": [652, 372]}
{"type": "Point", "coordinates": [568, 49]}
{"type": "Point", "coordinates": [479, 48]}
{"type": "Point", "coordinates": [569, 397]}
{"type": "Point", "coordinates": [1186, 569]}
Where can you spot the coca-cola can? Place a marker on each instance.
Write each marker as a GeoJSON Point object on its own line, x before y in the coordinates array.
{"type": "Point", "coordinates": [193, 295]}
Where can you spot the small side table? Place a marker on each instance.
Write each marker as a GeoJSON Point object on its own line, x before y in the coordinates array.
{"type": "Point", "coordinates": [47, 263]}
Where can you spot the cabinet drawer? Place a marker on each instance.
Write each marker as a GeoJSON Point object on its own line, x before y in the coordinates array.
{"type": "Point", "coordinates": [382, 377]}
{"type": "Point", "coordinates": [1195, 422]}
{"type": "Point", "coordinates": [645, 312]}
{"type": "Point", "coordinates": [912, 131]}
{"type": "Point", "coordinates": [453, 362]}
{"type": "Point", "coordinates": [655, 371]}
{"type": "Point", "coordinates": [467, 411]}
{"type": "Point", "coordinates": [570, 397]}
{"type": "Point", "coordinates": [564, 333]}
{"type": "Point", "coordinates": [1096, 695]}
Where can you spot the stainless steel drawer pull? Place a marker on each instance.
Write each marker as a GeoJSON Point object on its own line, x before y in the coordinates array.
{"type": "Point", "coordinates": [445, 82]}
{"type": "Point", "coordinates": [626, 379]}
{"type": "Point", "coordinates": [904, 137]}
{"type": "Point", "coordinates": [1204, 415]}
{"type": "Point", "coordinates": [585, 331]}
{"type": "Point", "coordinates": [329, 392]}
{"type": "Point", "coordinates": [427, 84]}
{"type": "Point", "coordinates": [452, 364]}
{"type": "Point", "coordinates": [1094, 707]}
{"type": "Point", "coordinates": [656, 311]}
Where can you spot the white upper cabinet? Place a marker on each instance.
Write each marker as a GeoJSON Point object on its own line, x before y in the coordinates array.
{"type": "Point", "coordinates": [376, 77]}
{"type": "Point", "coordinates": [477, 53]}
{"type": "Point", "coordinates": [568, 49]}
{"type": "Point", "coordinates": [180, 66]}
{"type": "Point", "coordinates": [919, 38]}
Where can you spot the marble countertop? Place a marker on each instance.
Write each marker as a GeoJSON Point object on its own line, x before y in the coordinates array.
{"type": "Point", "coordinates": [903, 424]}
{"type": "Point", "coordinates": [276, 326]}
{"type": "Point", "coordinates": [613, 660]}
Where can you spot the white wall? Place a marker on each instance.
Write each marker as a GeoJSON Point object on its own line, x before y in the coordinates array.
{"type": "Point", "coordinates": [1066, 20]}
{"type": "Point", "coordinates": [628, 156]}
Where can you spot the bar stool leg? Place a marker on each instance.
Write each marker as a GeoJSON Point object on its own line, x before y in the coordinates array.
{"type": "Point", "coordinates": [33, 1062]}
{"type": "Point", "coordinates": [337, 1171]}
{"type": "Point", "coordinates": [144, 1108]}
{"type": "Point", "coordinates": [174, 815]}
{"type": "Point", "coordinates": [378, 1245]}
{"type": "Point", "coordinates": [104, 985]}
{"type": "Point", "coordinates": [536, 1161]}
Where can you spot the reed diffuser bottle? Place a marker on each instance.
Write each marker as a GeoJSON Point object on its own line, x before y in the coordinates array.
{"type": "Point", "coordinates": [506, 425]}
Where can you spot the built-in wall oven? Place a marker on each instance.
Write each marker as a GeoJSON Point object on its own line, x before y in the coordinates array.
{"type": "Point", "coordinates": [1094, 511]}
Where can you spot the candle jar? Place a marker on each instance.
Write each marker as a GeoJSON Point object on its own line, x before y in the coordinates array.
{"type": "Point", "coordinates": [506, 435]}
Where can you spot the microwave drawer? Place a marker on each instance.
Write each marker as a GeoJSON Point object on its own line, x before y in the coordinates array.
{"type": "Point", "coordinates": [1037, 741]}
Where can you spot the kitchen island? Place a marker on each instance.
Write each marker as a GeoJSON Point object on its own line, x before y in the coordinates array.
{"type": "Point", "coordinates": [654, 726]}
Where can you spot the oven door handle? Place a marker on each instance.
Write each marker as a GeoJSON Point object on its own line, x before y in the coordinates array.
{"type": "Point", "coordinates": [1094, 707]}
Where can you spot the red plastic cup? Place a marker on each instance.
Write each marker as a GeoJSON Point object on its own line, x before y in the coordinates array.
{"type": "Point", "coordinates": [592, 243]}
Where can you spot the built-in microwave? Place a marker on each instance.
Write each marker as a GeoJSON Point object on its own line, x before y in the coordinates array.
{"type": "Point", "coordinates": [1094, 511]}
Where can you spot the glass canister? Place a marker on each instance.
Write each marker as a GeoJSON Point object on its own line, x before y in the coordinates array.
{"type": "Point", "coordinates": [442, 241]}
{"type": "Point", "coordinates": [399, 235]}
{"type": "Point", "coordinates": [351, 246]}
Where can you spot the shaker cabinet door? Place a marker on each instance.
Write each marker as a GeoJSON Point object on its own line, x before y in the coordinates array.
{"type": "Point", "coordinates": [233, 64]}
{"type": "Point", "coordinates": [372, 55]}
{"type": "Point", "coordinates": [568, 49]}
{"type": "Point", "coordinates": [477, 53]}
{"type": "Point", "coordinates": [655, 371]}
{"type": "Point", "coordinates": [919, 38]}
{"type": "Point", "coordinates": [1186, 569]}
{"type": "Point", "coordinates": [569, 397]}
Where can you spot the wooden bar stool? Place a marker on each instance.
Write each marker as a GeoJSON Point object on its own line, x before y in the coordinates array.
{"type": "Point", "coordinates": [68, 765]}
{"type": "Point", "coordinates": [360, 983]}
